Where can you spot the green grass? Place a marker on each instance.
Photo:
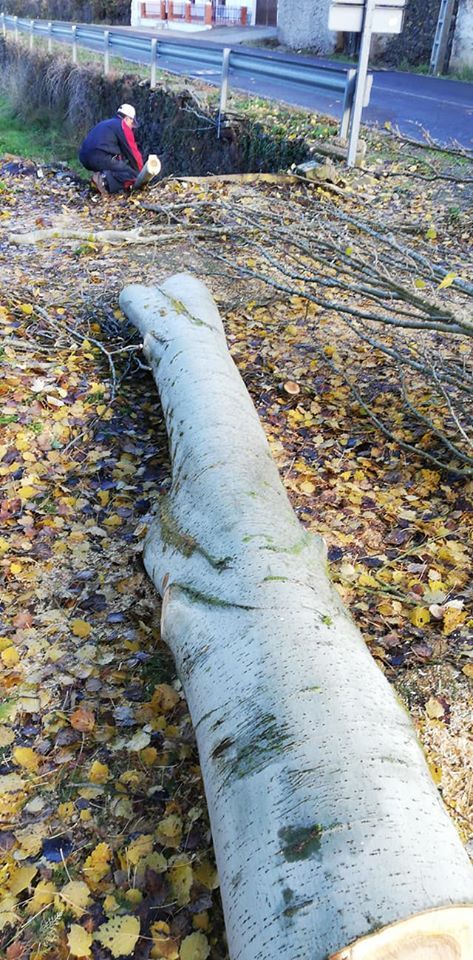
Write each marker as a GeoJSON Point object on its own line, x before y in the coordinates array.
{"type": "Point", "coordinates": [37, 140]}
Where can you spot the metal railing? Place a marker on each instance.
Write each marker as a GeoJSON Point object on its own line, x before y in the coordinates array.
{"type": "Point", "coordinates": [151, 50]}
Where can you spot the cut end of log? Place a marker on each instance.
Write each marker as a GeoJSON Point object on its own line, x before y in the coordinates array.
{"type": "Point", "coordinates": [291, 388]}
{"type": "Point", "coordinates": [443, 934]}
{"type": "Point", "coordinates": [154, 164]}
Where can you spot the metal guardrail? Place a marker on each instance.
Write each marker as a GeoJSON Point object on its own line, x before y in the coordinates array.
{"type": "Point", "coordinates": [143, 48]}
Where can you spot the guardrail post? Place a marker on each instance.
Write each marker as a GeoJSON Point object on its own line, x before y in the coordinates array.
{"type": "Point", "coordinates": [162, 14]}
{"type": "Point", "coordinates": [243, 16]}
{"type": "Point", "coordinates": [223, 88]}
{"type": "Point", "coordinates": [187, 14]}
{"type": "Point", "coordinates": [16, 29]}
{"type": "Point", "coordinates": [347, 104]}
{"type": "Point", "coordinates": [31, 34]}
{"type": "Point", "coordinates": [153, 55]}
{"type": "Point", "coordinates": [170, 10]}
{"type": "Point", "coordinates": [106, 52]}
{"type": "Point", "coordinates": [50, 37]}
{"type": "Point", "coordinates": [74, 42]}
{"type": "Point", "coordinates": [208, 14]}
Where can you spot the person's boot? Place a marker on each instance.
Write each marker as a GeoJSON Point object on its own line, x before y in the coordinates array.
{"type": "Point", "coordinates": [99, 184]}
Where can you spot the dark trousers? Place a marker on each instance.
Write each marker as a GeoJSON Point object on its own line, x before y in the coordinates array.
{"type": "Point", "coordinates": [117, 173]}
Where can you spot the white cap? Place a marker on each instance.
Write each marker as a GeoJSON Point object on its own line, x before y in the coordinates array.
{"type": "Point", "coordinates": [127, 110]}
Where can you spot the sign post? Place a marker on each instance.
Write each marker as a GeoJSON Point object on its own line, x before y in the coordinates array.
{"type": "Point", "coordinates": [365, 17]}
{"type": "Point", "coordinates": [361, 80]}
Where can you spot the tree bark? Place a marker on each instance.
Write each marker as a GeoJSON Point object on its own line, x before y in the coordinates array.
{"type": "Point", "coordinates": [326, 824]}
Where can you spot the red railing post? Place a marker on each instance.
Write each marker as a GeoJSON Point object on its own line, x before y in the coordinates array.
{"type": "Point", "coordinates": [170, 10]}
{"type": "Point", "coordinates": [163, 10]}
{"type": "Point", "coordinates": [187, 15]}
{"type": "Point", "coordinates": [143, 10]}
{"type": "Point", "coordinates": [243, 16]}
{"type": "Point", "coordinates": [208, 14]}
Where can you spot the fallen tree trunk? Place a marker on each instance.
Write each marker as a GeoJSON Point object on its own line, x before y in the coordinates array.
{"type": "Point", "coordinates": [330, 837]}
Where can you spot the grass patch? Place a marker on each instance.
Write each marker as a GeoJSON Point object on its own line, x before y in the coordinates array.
{"type": "Point", "coordinates": [34, 140]}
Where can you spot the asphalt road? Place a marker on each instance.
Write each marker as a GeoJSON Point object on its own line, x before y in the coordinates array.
{"type": "Point", "coordinates": [413, 103]}
{"type": "Point", "coordinates": [409, 101]}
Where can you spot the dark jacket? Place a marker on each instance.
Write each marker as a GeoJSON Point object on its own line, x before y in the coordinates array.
{"type": "Point", "coordinates": [114, 138]}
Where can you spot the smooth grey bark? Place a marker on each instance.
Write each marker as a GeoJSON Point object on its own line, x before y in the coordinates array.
{"type": "Point", "coordinates": [325, 820]}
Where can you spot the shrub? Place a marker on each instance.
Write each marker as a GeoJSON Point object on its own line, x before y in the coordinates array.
{"type": "Point", "coordinates": [47, 87]}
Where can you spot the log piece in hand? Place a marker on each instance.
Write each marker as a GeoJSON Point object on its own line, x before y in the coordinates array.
{"type": "Point", "coordinates": [151, 169]}
{"type": "Point", "coordinates": [329, 834]}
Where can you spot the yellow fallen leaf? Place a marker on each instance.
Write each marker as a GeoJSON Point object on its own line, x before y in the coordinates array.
{"type": "Point", "coordinates": [169, 831]}
{"type": "Point", "coordinates": [164, 947]}
{"type": "Point", "coordinates": [97, 864]}
{"type": "Point", "coordinates": [7, 912]}
{"type": "Point", "coordinates": [155, 861]}
{"type": "Point", "coordinates": [164, 698]}
{"type": "Point", "coordinates": [113, 521]}
{"type": "Point", "coordinates": [149, 756]}
{"type": "Point", "coordinates": [206, 874]}
{"type": "Point", "coordinates": [10, 657]}
{"type": "Point", "coordinates": [468, 670]}
{"type": "Point", "coordinates": [366, 580]}
{"type": "Point", "coordinates": [26, 492]}
{"type": "Point", "coordinates": [30, 840]}
{"type": "Point", "coordinates": [181, 878]}
{"type": "Point", "coordinates": [419, 283]}
{"type": "Point", "coordinates": [4, 546]}
{"type": "Point", "coordinates": [435, 772]}
{"type": "Point", "coordinates": [139, 848]}
{"type": "Point", "coordinates": [119, 935]}
{"type": "Point", "coordinates": [43, 895]}
{"type": "Point", "coordinates": [419, 617]}
{"type": "Point", "coordinates": [194, 947]}
{"type": "Point", "coordinates": [79, 941]}
{"type": "Point", "coordinates": [431, 234]}
{"type": "Point", "coordinates": [307, 487]}
{"type": "Point", "coordinates": [110, 905]}
{"type": "Point", "coordinates": [452, 619]}
{"type": "Point", "coordinates": [26, 308]}
{"type": "Point", "coordinates": [447, 281]}
{"type": "Point", "coordinates": [434, 709]}
{"type": "Point", "coordinates": [134, 896]}
{"type": "Point", "coordinates": [80, 628]}
{"type": "Point", "coordinates": [6, 736]}
{"type": "Point", "coordinates": [21, 879]}
{"type": "Point", "coordinates": [11, 783]}
{"type": "Point", "coordinates": [16, 567]}
{"type": "Point", "coordinates": [27, 758]}
{"type": "Point", "coordinates": [99, 772]}
{"type": "Point", "coordinates": [76, 895]}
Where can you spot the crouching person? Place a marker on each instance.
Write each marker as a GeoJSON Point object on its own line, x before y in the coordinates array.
{"type": "Point", "coordinates": [110, 150]}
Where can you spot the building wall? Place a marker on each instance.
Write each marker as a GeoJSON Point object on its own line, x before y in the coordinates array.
{"type": "Point", "coordinates": [302, 25]}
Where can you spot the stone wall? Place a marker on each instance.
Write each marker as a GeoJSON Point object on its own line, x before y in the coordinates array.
{"type": "Point", "coordinates": [414, 44]}
{"type": "Point", "coordinates": [462, 52]}
{"type": "Point", "coordinates": [303, 25]}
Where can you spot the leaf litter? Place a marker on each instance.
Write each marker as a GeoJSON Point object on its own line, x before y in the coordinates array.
{"type": "Point", "coordinates": [106, 848]}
